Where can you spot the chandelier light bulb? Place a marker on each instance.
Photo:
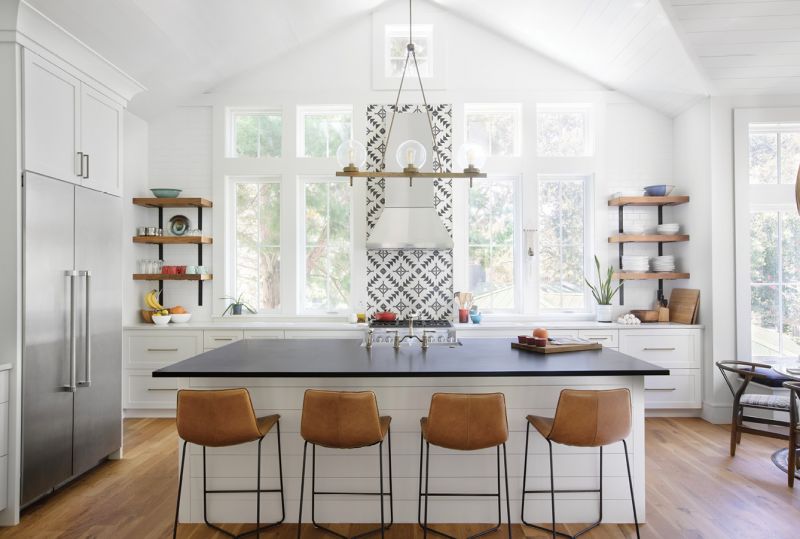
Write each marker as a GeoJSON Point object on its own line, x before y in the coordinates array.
{"type": "Point", "coordinates": [411, 155]}
{"type": "Point", "coordinates": [471, 157]}
{"type": "Point", "coordinates": [351, 155]}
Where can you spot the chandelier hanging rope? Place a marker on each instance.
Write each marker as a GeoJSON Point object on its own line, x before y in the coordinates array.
{"type": "Point", "coordinates": [352, 154]}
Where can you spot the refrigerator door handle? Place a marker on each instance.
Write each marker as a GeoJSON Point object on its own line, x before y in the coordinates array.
{"type": "Point", "coordinates": [88, 330]}
{"type": "Point", "coordinates": [79, 165]}
{"type": "Point", "coordinates": [73, 341]}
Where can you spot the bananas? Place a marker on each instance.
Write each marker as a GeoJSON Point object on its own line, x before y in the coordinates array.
{"type": "Point", "coordinates": [151, 300]}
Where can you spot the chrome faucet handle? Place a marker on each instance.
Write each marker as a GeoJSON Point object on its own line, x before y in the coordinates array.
{"type": "Point", "coordinates": [368, 339]}
{"type": "Point", "coordinates": [396, 343]}
{"type": "Point", "coordinates": [426, 339]}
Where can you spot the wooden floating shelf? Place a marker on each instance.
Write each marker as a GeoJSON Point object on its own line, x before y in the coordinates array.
{"type": "Point", "coordinates": [171, 277]}
{"type": "Point", "coordinates": [642, 276]}
{"type": "Point", "coordinates": [649, 201]}
{"type": "Point", "coordinates": [173, 202]}
{"type": "Point", "coordinates": [374, 174]}
{"type": "Point", "coordinates": [648, 238]}
{"type": "Point", "coordinates": [173, 240]}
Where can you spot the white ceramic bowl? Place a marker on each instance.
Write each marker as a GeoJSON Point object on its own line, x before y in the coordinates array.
{"type": "Point", "coordinates": [162, 320]}
{"type": "Point", "coordinates": [181, 318]}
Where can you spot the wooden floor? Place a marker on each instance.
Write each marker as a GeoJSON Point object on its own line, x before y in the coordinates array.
{"type": "Point", "coordinates": [694, 490]}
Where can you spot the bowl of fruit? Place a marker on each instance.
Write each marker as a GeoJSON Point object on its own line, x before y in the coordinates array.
{"type": "Point", "coordinates": [162, 319]}
{"type": "Point", "coordinates": [179, 315]}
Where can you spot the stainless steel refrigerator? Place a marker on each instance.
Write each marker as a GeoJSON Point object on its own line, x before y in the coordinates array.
{"type": "Point", "coordinates": [72, 360]}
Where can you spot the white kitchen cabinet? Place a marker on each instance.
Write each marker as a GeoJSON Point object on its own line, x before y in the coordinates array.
{"type": "Point", "coordinates": [72, 132]}
{"type": "Point", "coordinates": [156, 349]}
{"type": "Point", "coordinates": [101, 141]}
{"type": "Point", "coordinates": [680, 351]}
{"type": "Point", "coordinates": [214, 338]}
{"type": "Point", "coordinates": [4, 439]}
{"type": "Point", "coordinates": [323, 334]}
{"type": "Point", "coordinates": [263, 334]}
{"type": "Point", "coordinates": [51, 116]}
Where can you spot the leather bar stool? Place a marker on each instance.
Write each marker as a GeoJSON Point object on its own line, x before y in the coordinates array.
{"type": "Point", "coordinates": [222, 418]}
{"type": "Point", "coordinates": [464, 422]}
{"type": "Point", "coordinates": [584, 418]}
{"type": "Point", "coordinates": [343, 420]}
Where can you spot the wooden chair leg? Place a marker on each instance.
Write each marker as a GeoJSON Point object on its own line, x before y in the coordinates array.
{"type": "Point", "coordinates": [738, 431]}
{"type": "Point", "coordinates": [792, 457]}
{"type": "Point", "coordinates": [734, 429]}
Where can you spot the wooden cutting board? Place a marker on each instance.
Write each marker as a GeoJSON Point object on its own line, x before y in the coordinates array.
{"type": "Point", "coordinates": [557, 348]}
{"type": "Point", "coordinates": [684, 305]}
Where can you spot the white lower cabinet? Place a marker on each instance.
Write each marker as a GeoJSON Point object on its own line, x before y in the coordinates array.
{"type": "Point", "coordinates": [323, 334]}
{"type": "Point", "coordinates": [680, 351]}
{"type": "Point", "coordinates": [215, 338]}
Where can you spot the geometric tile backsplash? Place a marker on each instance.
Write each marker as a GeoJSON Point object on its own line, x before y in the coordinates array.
{"type": "Point", "coordinates": [410, 280]}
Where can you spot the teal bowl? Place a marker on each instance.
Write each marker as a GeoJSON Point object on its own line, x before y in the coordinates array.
{"type": "Point", "coordinates": [166, 193]}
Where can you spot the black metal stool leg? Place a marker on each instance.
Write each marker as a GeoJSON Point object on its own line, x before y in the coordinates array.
{"type": "Point", "coordinates": [380, 471]}
{"type": "Point", "coordinates": [630, 484]}
{"type": "Point", "coordinates": [280, 472]}
{"type": "Point", "coordinates": [302, 485]}
{"type": "Point", "coordinates": [205, 501]}
{"type": "Point", "coordinates": [391, 484]}
{"type": "Point", "coordinates": [525, 473]}
{"type": "Point", "coordinates": [419, 497]}
{"type": "Point", "coordinates": [508, 498]}
{"type": "Point", "coordinates": [180, 485]}
{"type": "Point", "coordinates": [258, 489]}
{"type": "Point", "coordinates": [552, 489]}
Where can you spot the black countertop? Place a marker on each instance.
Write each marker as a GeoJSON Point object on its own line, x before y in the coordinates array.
{"type": "Point", "coordinates": [303, 358]}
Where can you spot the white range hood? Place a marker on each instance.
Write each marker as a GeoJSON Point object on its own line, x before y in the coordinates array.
{"type": "Point", "coordinates": [409, 219]}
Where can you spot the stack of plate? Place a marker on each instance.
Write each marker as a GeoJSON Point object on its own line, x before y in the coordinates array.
{"type": "Point", "coordinates": [668, 228]}
{"type": "Point", "coordinates": [635, 263]}
{"type": "Point", "coordinates": [664, 263]}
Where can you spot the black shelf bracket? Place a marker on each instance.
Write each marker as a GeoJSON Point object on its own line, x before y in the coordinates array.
{"type": "Point", "coordinates": [199, 255]}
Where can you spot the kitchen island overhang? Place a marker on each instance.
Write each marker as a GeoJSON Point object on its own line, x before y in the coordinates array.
{"type": "Point", "coordinates": [277, 372]}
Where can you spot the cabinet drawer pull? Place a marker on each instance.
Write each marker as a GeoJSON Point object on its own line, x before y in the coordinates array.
{"type": "Point", "coordinates": [223, 338]}
{"type": "Point", "coordinates": [598, 338]}
{"type": "Point", "coordinates": [160, 389]}
{"type": "Point", "coordinates": [162, 349]}
{"type": "Point", "coordinates": [661, 389]}
{"type": "Point", "coordinates": [666, 349]}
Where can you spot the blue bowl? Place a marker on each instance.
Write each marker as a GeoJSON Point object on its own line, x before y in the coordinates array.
{"type": "Point", "coordinates": [476, 318]}
{"type": "Point", "coordinates": [661, 190]}
{"type": "Point", "coordinates": [166, 193]}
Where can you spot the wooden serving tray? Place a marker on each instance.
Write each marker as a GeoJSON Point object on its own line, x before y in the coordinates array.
{"type": "Point", "coordinates": [557, 348]}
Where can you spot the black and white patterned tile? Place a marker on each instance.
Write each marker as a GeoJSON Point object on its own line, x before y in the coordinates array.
{"type": "Point", "coordinates": [410, 280]}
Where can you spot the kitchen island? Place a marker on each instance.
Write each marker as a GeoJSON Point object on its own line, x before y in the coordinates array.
{"type": "Point", "coordinates": [278, 371]}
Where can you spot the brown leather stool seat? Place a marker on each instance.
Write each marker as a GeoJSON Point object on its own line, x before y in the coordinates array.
{"type": "Point", "coordinates": [344, 420]}
{"type": "Point", "coordinates": [464, 422]}
{"type": "Point", "coordinates": [584, 418]}
{"type": "Point", "coordinates": [222, 418]}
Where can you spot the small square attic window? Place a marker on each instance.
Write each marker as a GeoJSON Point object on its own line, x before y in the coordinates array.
{"type": "Point", "coordinates": [395, 41]}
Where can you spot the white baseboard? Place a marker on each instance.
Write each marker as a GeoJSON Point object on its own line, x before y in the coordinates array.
{"type": "Point", "coordinates": [719, 414]}
{"type": "Point", "coordinates": [666, 412]}
{"type": "Point", "coordinates": [137, 413]}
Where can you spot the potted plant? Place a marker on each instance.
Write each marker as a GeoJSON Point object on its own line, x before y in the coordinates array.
{"type": "Point", "coordinates": [236, 304]}
{"type": "Point", "coordinates": [603, 293]}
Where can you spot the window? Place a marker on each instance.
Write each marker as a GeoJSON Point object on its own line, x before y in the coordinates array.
{"type": "Point", "coordinates": [256, 242]}
{"type": "Point", "coordinates": [564, 130]}
{"type": "Point", "coordinates": [774, 153]}
{"type": "Point", "coordinates": [327, 238]}
{"type": "Point", "coordinates": [497, 128]}
{"type": "Point", "coordinates": [775, 283]}
{"type": "Point", "coordinates": [395, 41]}
{"type": "Point", "coordinates": [322, 129]}
{"type": "Point", "coordinates": [767, 226]}
{"type": "Point", "coordinates": [562, 242]}
{"type": "Point", "coordinates": [255, 133]}
{"type": "Point", "coordinates": [492, 220]}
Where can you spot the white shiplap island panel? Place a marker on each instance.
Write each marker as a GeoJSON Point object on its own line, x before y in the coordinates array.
{"type": "Point", "coordinates": [406, 399]}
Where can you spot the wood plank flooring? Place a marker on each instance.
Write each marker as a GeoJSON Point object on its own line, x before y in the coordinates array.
{"type": "Point", "coordinates": [694, 490]}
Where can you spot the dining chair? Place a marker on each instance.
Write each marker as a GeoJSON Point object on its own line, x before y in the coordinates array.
{"type": "Point", "coordinates": [794, 429]}
{"type": "Point", "coordinates": [746, 371]}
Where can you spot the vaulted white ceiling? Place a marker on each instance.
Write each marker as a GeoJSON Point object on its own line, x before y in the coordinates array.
{"type": "Point", "coordinates": [745, 47]}
{"type": "Point", "coordinates": [665, 53]}
{"type": "Point", "coordinates": [180, 48]}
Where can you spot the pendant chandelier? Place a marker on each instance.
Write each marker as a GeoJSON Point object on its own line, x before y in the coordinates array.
{"type": "Point", "coordinates": [411, 154]}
